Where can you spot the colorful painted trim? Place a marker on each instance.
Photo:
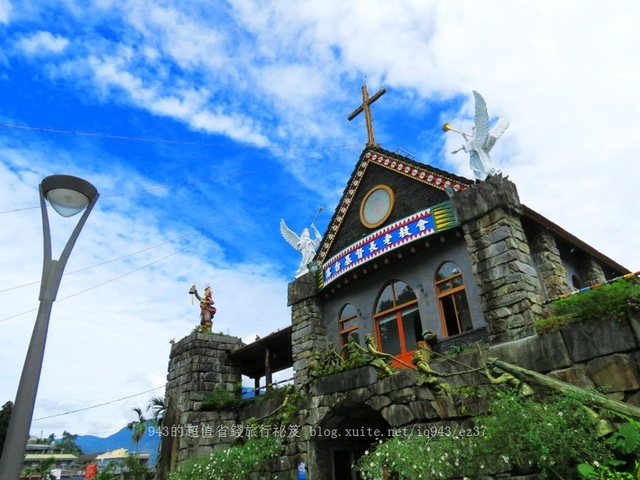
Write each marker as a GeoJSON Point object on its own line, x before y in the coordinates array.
{"type": "Point", "coordinates": [423, 175]}
{"type": "Point", "coordinates": [419, 225]}
{"type": "Point", "coordinates": [417, 172]}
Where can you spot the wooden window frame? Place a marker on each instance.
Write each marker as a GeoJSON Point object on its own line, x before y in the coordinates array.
{"type": "Point", "coordinates": [448, 293]}
{"type": "Point", "coordinates": [342, 320]}
{"type": "Point", "coordinates": [397, 311]}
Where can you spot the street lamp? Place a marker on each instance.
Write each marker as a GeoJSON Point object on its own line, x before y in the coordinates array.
{"type": "Point", "coordinates": [68, 196]}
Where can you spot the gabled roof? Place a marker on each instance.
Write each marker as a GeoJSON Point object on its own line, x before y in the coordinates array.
{"type": "Point", "coordinates": [373, 158]}
{"type": "Point", "coordinates": [376, 157]}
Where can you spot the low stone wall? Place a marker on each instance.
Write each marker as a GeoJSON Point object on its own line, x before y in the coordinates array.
{"type": "Point", "coordinates": [350, 410]}
{"type": "Point", "coordinates": [602, 354]}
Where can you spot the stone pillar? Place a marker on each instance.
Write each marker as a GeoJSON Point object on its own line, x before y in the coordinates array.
{"type": "Point", "coordinates": [489, 213]}
{"type": "Point", "coordinates": [198, 364]}
{"type": "Point", "coordinates": [547, 257]}
{"type": "Point", "coordinates": [308, 333]}
{"type": "Point", "coordinates": [591, 271]}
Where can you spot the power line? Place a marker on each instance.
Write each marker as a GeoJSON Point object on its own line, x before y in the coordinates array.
{"type": "Point", "coordinates": [110, 280]}
{"type": "Point", "coordinates": [105, 262]}
{"type": "Point", "coordinates": [241, 173]}
{"type": "Point", "coordinates": [162, 140]}
{"type": "Point", "coordinates": [98, 405]}
{"type": "Point", "coordinates": [125, 256]}
{"type": "Point", "coordinates": [136, 269]}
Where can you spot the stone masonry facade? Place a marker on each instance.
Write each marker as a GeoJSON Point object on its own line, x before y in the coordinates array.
{"type": "Point", "coordinates": [603, 354]}
{"type": "Point", "coordinates": [510, 271]}
{"type": "Point", "coordinates": [198, 364]}
{"type": "Point", "coordinates": [507, 279]}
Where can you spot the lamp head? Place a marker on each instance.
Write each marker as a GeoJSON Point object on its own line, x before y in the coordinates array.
{"type": "Point", "coordinates": [68, 195]}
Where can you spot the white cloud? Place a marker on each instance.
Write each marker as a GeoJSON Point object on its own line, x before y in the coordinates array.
{"type": "Point", "coordinates": [288, 74]}
{"type": "Point", "coordinates": [42, 43]}
{"type": "Point", "coordinates": [111, 324]}
{"type": "Point", "coordinates": [5, 11]}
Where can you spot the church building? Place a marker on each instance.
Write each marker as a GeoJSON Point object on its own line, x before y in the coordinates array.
{"type": "Point", "coordinates": [412, 249]}
{"type": "Point", "coordinates": [413, 258]}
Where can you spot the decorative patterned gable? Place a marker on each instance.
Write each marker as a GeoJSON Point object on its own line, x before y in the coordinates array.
{"type": "Point", "coordinates": [404, 167]}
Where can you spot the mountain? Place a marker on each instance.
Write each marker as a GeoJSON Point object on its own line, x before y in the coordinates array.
{"type": "Point", "coordinates": [121, 439]}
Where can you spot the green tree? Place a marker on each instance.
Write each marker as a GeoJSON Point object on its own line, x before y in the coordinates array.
{"type": "Point", "coordinates": [5, 416]}
{"type": "Point", "coordinates": [133, 468]}
{"type": "Point", "coordinates": [157, 408]}
{"type": "Point", "coordinates": [68, 444]}
{"type": "Point", "coordinates": [138, 427]}
{"type": "Point", "coordinates": [42, 470]}
{"type": "Point", "coordinates": [108, 473]}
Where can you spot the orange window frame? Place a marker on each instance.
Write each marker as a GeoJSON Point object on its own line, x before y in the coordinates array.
{"type": "Point", "coordinates": [345, 331]}
{"type": "Point", "coordinates": [447, 293]}
{"type": "Point", "coordinates": [397, 310]}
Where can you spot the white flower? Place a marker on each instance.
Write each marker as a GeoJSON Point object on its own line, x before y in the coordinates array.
{"type": "Point", "coordinates": [595, 463]}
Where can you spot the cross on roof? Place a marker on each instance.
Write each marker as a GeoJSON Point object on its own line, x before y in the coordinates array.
{"type": "Point", "coordinates": [366, 103]}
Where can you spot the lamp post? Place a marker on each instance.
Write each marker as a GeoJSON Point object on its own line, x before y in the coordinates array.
{"type": "Point", "coordinates": [68, 196]}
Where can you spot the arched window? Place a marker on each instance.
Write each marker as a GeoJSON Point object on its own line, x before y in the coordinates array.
{"type": "Point", "coordinates": [576, 282]}
{"type": "Point", "coordinates": [397, 320]}
{"type": "Point", "coordinates": [348, 324]}
{"type": "Point", "coordinates": [452, 299]}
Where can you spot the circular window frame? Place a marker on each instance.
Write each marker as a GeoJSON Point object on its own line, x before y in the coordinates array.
{"type": "Point", "coordinates": [384, 218]}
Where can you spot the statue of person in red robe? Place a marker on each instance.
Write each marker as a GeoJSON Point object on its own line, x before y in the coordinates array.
{"type": "Point", "coordinates": [207, 310]}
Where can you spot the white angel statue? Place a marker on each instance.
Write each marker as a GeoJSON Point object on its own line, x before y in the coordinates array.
{"type": "Point", "coordinates": [303, 244]}
{"type": "Point", "coordinates": [480, 143]}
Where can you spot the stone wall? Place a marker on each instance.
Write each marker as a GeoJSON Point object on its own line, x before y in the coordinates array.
{"type": "Point", "coordinates": [603, 354]}
{"type": "Point", "coordinates": [547, 258]}
{"type": "Point", "coordinates": [308, 334]}
{"type": "Point", "coordinates": [489, 213]}
{"type": "Point", "coordinates": [591, 271]}
{"type": "Point", "coordinates": [198, 364]}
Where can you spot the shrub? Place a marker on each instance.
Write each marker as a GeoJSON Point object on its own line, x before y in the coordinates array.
{"type": "Point", "coordinates": [517, 433]}
{"type": "Point", "coordinates": [234, 463]}
{"type": "Point", "coordinates": [614, 300]}
{"type": "Point", "coordinates": [221, 399]}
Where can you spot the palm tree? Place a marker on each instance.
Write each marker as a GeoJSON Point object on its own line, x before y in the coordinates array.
{"type": "Point", "coordinates": [158, 409]}
{"type": "Point", "coordinates": [138, 427]}
{"type": "Point", "coordinates": [42, 470]}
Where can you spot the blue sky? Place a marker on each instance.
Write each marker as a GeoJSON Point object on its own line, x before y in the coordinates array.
{"type": "Point", "coordinates": [210, 121]}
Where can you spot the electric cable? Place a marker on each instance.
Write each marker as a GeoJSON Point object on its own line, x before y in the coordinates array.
{"type": "Point", "coordinates": [98, 405]}
{"type": "Point", "coordinates": [109, 136]}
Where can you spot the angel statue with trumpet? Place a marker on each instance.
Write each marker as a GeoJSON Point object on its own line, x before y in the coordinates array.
{"type": "Point", "coordinates": [481, 142]}
{"type": "Point", "coordinates": [303, 244]}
